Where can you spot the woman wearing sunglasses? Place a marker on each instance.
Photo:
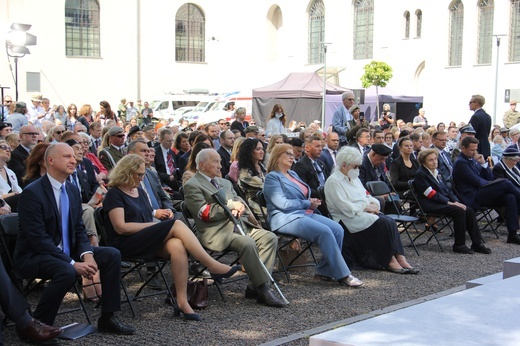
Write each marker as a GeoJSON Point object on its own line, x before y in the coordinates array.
{"type": "Point", "coordinates": [9, 188]}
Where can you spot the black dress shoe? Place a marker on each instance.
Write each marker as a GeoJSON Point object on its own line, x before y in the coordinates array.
{"type": "Point", "coordinates": [219, 277]}
{"type": "Point", "coordinates": [39, 333]}
{"type": "Point", "coordinates": [463, 249]}
{"type": "Point", "coordinates": [412, 271]}
{"type": "Point", "coordinates": [269, 299]}
{"type": "Point", "coordinates": [113, 325]}
{"type": "Point", "coordinates": [481, 248]}
{"type": "Point", "coordinates": [251, 292]}
{"type": "Point", "coordinates": [513, 238]}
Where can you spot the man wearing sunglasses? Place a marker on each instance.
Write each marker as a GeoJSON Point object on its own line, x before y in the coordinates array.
{"type": "Point", "coordinates": [342, 116]}
{"type": "Point", "coordinates": [28, 140]}
{"type": "Point", "coordinates": [56, 132]}
{"type": "Point", "coordinates": [116, 150]}
{"type": "Point", "coordinates": [5, 106]}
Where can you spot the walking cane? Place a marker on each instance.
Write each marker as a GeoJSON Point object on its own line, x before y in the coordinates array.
{"type": "Point", "coordinates": [220, 198]}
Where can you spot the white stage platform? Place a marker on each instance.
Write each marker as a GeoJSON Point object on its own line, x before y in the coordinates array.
{"type": "Point", "coordinates": [485, 315]}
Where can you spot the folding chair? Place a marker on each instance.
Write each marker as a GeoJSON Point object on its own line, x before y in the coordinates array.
{"type": "Point", "coordinates": [380, 188]}
{"type": "Point", "coordinates": [136, 265]}
{"type": "Point", "coordinates": [306, 245]}
{"type": "Point", "coordinates": [217, 255]}
{"type": "Point", "coordinates": [442, 221]}
{"type": "Point", "coordinates": [8, 235]}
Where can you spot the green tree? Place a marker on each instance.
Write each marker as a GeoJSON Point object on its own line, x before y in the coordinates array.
{"type": "Point", "coordinates": [377, 73]}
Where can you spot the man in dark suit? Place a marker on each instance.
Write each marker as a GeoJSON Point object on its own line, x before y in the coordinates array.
{"type": "Point", "coordinates": [328, 154]}
{"type": "Point", "coordinates": [95, 131]}
{"type": "Point", "coordinates": [445, 166]}
{"type": "Point", "coordinates": [116, 150]}
{"type": "Point", "coordinates": [362, 140]}
{"type": "Point", "coordinates": [165, 160]}
{"type": "Point", "coordinates": [15, 308]}
{"type": "Point", "coordinates": [311, 170]}
{"type": "Point", "coordinates": [52, 243]}
{"type": "Point", "coordinates": [28, 140]}
{"type": "Point", "coordinates": [472, 178]}
{"type": "Point", "coordinates": [183, 160]}
{"type": "Point", "coordinates": [373, 169]}
{"type": "Point", "coordinates": [227, 140]}
{"type": "Point", "coordinates": [216, 230]}
{"type": "Point", "coordinates": [481, 122]}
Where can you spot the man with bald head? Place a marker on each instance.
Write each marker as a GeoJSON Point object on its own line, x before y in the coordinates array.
{"type": "Point", "coordinates": [53, 245]}
{"type": "Point", "coordinates": [28, 140]}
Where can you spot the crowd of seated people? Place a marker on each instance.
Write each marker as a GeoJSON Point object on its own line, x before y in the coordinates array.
{"type": "Point", "coordinates": [144, 164]}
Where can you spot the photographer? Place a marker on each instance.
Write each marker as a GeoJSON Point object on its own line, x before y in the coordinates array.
{"type": "Point", "coordinates": [356, 123]}
{"type": "Point", "coordinates": [387, 117]}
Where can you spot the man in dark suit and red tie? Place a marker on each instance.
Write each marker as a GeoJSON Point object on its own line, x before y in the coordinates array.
{"type": "Point", "coordinates": [165, 160]}
{"type": "Point", "coordinates": [52, 243]}
{"type": "Point", "coordinates": [481, 122]}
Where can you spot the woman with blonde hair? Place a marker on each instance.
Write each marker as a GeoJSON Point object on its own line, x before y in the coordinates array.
{"type": "Point", "coordinates": [85, 116]}
{"type": "Point", "coordinates": [131, 230]}
{"type": "Point", "coordinates": [233, 169]}
{"type": "Point", "coordinates": [273, 141]}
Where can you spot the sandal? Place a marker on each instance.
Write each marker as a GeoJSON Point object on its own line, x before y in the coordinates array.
{"type": "Point", "coordinates": [93, 299]}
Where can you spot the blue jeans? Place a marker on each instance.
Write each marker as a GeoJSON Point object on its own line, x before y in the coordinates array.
{"type": "Point", "coordinates": [328, 234]}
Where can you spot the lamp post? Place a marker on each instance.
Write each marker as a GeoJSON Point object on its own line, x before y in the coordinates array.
{"type": "Point", "coordinates": [16, 46]}
{"type": "Point", "coordinates": [324, 46]}
{"type": "Point", "coordinates": [495, 96]}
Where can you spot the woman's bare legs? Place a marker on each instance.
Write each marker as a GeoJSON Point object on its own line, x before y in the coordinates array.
{"type": "Point", "coordinates": [180, 231]}
{"type": "Point", "coordinates": [394, 264]}
{"type": "Point", "coordinates": [402, 261]}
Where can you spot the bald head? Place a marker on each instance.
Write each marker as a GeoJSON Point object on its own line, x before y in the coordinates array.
{"type": "Point", "coordinates": [60, 161]}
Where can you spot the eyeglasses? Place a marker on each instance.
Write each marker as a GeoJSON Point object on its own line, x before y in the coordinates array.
{"type": "Point", "coordinates": [59, 132]}
{"type": "Point", "coordinates": [262, 135]}
{"type": "Point", "coordinates": [222, 123]}
{"type": "Point", "coordinates": [120, 136]}
{"type": "Point", "coordinates": [355, 166]}
{"type": "Point", "coordinates": [290, 155]}
{"type": "Point", "coordinates": [7, 101]}
{"type": "Point", "coordinates": [5, 147]}
{"type": "Point", "coordinates": [440, 140]}
{"type": "Point", "coordinates": [30, 133]}
{"type": "Point", "coordinates": [351, 99]}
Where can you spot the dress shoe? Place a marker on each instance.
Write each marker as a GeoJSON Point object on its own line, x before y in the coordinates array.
{"type": "Point", "coordinates": [319, 277]}
{"type": "Point", "coordinates": [197, 269]}
{"type": "Point", "coordinates": [154, 284]}
{"type": "Point", "coordinates": [251, 292]}
{"type": "Point", "coordinates": [219, 277]}
{"type": "Point", "coordinates": [113, 325]}
{"type": "Point", "coordinates": [481, 248]}
{"type": "Point", "coordinates": [463, 249]}
{"type": "Point", "coordinates": [268, 298]}
{"type": "Point", "coordinates": [412, 270]}
{"type": "Point", "coordinates": [39, 333]}
{"type": "Point", "coordinates": [513, 238]}
{"type": "Point", "coordinates": [351, 281]}
{"type": "Point", "coordinates": [397, 271]}
{"type": "Point", "coordinates": [177, 312]}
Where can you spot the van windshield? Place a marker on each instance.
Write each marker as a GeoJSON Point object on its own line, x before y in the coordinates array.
{"type": "Point", "coordinates": [200, 106]}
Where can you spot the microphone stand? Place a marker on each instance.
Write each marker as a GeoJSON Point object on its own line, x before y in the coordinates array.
{"type": "Point", "coordinates": [220, 198]}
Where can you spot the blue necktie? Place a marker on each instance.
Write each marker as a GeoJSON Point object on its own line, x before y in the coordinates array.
{"type": "Point", "coordinates": [64, 213]}
{"type": "Point", "coordinates": [151, 196]}
{"type": "Point", "coordinates": [321, 177]}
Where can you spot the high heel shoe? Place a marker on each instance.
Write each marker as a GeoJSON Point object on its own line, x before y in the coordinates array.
{"type": "Point", "coordinates": [94, 299]}
{"type": "Point", "coordinates": [177, 312]}
{"type": "Point", "coordinates": [218, 277]}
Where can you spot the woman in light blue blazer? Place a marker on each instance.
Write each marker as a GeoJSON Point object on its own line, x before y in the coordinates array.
{"type": "Point", "coordinates": [291, 211]}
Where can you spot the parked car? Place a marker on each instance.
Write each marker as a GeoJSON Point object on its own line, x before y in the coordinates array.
{"type": "Point", "coordinates": [223, 108]}
{"type": "Point", "coordinates": [165, 107]}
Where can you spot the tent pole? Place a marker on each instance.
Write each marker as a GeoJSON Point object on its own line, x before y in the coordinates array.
{"type": "Point", "coordinates": [324, 45]}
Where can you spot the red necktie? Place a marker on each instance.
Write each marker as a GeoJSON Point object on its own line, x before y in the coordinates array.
{"type": "Point", "coordinates": [171, 165]}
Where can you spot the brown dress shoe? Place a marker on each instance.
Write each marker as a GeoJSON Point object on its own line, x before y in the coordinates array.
{"type": "Point", "coordinates": [37, 332]}
{"type": "Point", "coordinates": [269, 299]}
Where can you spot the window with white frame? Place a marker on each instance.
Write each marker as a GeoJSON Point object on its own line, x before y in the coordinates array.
{"type": "Point", "coordinates": [316, 31]}
{"type": "Point", "coordinates": [514, 31]}
{"type": "Point", "coordinates": [82, 33]}
{"type": "Point", "coordinates": [456, 33]}
{"type": "Point", "coordinates": [486, 10]}
{"type": "Point", "coordinates": [363, 29]}
{"type": "Point", "coordinates": [190, 33]}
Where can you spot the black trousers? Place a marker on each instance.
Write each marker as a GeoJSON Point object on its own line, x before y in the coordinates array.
{"type": "Point", "coordinates": [62, 276]}
{"type": "Point", "coordinates": [502, 194]}
{"type": "Point", "coordinates": [463, 220]}
{"type": "Point", "coordinates": [13, 303]}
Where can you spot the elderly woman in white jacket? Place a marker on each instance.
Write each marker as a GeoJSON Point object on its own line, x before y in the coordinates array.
{"type": "Point", "coordinates": [9, 188]}
{"type": "Point", "coordinates": [375, 238]}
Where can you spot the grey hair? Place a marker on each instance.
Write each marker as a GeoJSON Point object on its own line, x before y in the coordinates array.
{"type": "Point", "coordinates": [346, 94]}
{"type": "Point", "coordinates": [203, 156]}
{"type": "Point", "coordinates": [349, 156]}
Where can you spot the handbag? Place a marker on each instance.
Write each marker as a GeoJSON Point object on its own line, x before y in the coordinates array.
{"type": "Point", "coordinates": [197, 293]}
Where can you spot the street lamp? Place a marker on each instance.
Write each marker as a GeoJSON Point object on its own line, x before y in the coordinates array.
{"type": "Point", "coordinates": [324, 45]}
{"type": "Point", "coordinates": [498, 37]}
{"type": "Point", "coordinates": [16, 46]}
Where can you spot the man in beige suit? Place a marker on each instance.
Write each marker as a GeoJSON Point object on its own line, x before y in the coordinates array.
{"type": "Point", "coordinates": [216, 230]}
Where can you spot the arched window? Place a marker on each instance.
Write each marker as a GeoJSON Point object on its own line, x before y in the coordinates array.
{"type": "Point", "coordinates": [514, 31]}
{"type": "Point", "coordinates": [418, 18]}
{"type": "Point", "coordinates": [406, 16]}
{"type": "Point", "coordinates": [456, 33]}
{"type": "Point", "coordinates": [190, 33]}
{"type": "Point", "coordinates": [486, 9]}
{"type": "Point", "coordinates": [316, 31]}
{"type": "Point", "coordinates": [363, 29]}
{"type": "Point", "coordinates": [82, 28]}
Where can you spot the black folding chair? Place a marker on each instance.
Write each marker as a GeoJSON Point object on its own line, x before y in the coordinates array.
{"type": "Point", "coordinates": [8, 235]}
{"type": "Point", "coordinates": [288, 239]}
{"type": "Point", "coordinates": [136, 265]}
{"type": "Point", "coordinates": [380, 188]}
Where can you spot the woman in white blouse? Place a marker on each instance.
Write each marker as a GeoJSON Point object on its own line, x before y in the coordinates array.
{"type": "Point", "coordinates": [9, 188]}
{"type": "Point", "coordinates": [375, 238]}
{"type": "Point", "coordinates": [276, 123]}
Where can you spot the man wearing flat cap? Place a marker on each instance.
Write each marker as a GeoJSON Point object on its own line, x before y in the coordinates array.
{"type": "Point", "coordinates": [511, 116]}
{"type": "Point", "coordinates": [116, 150]}
{"type": "Point", "coordinates": [373, 167]}
{"type": "Point", "coordinates": [251, 132]}
{"type": "Point", "coordinates": [506, 167]}
{"type": "Point", "coordinates": [465, 131]}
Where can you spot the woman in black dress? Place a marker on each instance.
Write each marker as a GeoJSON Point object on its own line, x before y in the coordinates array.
{"type": "Point", "coordinates": [134, 233]}
{"type": "Point", "coordinates": [404, 167]}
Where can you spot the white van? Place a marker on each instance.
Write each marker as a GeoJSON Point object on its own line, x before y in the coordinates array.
{"type": "Point", "coordinates": [222, 109]}
{"type": "Point", "coordinates": [164, 107]}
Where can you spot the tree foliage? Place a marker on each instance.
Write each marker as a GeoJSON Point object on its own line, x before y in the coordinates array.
{"type": "Point", "coordinates": [377, 73]}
